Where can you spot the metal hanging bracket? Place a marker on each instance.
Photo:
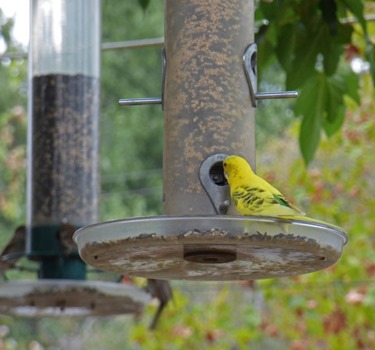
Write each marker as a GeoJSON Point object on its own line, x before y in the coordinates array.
{"type": "Point", "coordinates": [213, 180]}
{"type": "Point", "coordinates": [140, 101]}
{"type": "Point", "coordinates": [149, 100]}
{"type": "Point", "coordinates": [250, 67]}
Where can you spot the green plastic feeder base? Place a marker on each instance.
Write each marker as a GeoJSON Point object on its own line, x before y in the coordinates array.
{"type": "Point", "coordinates": [43, 241]}
{"type": "Point", "coordinates": [44, 246]}
{"type": "Point", "coordinates": [62, 268]}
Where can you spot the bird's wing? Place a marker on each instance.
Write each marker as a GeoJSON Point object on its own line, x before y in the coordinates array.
{"type": "Point", "coordinates": [14, 249]}
{"type": "Point", "coordinates": [284, 202]}
{"type": "Point", "coordinates": [252, 198]}
{"type": "Point", "coordinates": [277, 195]}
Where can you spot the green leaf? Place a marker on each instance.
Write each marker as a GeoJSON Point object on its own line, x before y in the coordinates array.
{"type": "Point", "coordinates": [304, 58]}
{"type": "Point", "coordinates": [335, 90]}
{"type": "Point", "coordinates": [335, 109]}
{"type": "Point", "coordinates": [286, 45]}
{"type": "Point", "coordinates": [311, 105]}
{"type": "Point", "coordinates": [331, 126]}
{"type": "Point", "coordinates": [144, 4]}
{"type": "Point", "coordinates": [265, 57]}
{"type": "Point", "coordinates": [356, 7]}
{"type": "Point", "coordinates": [260, 34]}
{"type": "Point", "coordinates": [331, 53]}
{"type": "Point", "coordinates": [351, 82]}
{"type": "Point", "coordinates": [329, 14]}
{"type": "Point", "coordinates": [344, 34]}
{"type": "Point", "coordinates": [332, 46]}
{"type": "Point", "coordinates": [322, 105]}
{"type": "Point", "coordinates": [370, 56]}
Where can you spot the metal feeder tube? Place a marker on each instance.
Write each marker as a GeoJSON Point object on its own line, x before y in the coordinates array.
{"type": "Point", "coordinates": [207, 105]}
{"type": "Point", "coordinates": [64, 71]}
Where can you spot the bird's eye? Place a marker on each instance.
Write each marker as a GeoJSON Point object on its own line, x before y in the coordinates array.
{"type": "Point", "coordinates": [224, 164]}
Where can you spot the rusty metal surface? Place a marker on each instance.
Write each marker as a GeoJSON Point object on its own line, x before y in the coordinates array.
{"type": "Point", "coordinates": [206, 99]}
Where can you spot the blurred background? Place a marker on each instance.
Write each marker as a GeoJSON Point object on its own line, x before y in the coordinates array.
{"type": "Point", "coordinates": [330, 309]}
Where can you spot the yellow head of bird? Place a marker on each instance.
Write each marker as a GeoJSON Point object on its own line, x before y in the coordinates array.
{"type": "Point", "coordinates": [236, 167]}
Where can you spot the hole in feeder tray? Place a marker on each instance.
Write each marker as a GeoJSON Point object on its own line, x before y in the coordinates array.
{"type": "Point", "coordinates": [217, 174]}
{"type": "Point", "coordinates": [212, 254]}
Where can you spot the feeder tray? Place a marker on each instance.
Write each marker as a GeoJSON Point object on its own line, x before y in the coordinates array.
{"type": "Point", "coordinates": [70, 298]}
{"type": "Point", "coordinates": [211, 248]}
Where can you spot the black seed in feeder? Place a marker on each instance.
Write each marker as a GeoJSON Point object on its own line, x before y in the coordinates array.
{"type": "Point", "coordinates": [64, 148]}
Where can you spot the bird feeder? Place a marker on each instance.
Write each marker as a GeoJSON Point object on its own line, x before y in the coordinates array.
{"type": "Point", "coordinates": [209, 97]}
{"type": "Point", "coordinates": [64, 67]}
{"type": "Point", "coordinates": [70, 298]}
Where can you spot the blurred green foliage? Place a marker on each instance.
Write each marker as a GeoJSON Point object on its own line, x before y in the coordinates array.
{"type": "Point", "coordinates": [312, 41]}
{"type": "Point", "coordinates": [13, 99]}
{"type": "Point", "coordinates": [131, 137]}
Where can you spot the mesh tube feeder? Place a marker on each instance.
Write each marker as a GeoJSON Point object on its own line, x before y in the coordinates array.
{"type": "Point", "coordinates": [64, 73]}
{"type": "Point", "coordinates": [209, 97]}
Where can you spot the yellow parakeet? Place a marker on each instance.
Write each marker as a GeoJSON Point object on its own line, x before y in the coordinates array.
{"type": "Point", "coordinates": [251, 194]}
